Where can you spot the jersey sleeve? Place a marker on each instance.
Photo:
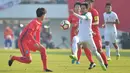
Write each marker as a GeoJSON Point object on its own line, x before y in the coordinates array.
{"type": "Point", "coordinates": [31, 28]}
{"type": "Point", "coordinates": [95, 15]}
{"type": "Point", "coordinates": [38, 34]}
{"type": "Point", "coordinates": [31, 37]}
{"type": "Point", "coordinates": [81, 16]}
{"type": "Point", "coordinates": [32, 25]}
{"type": "Point", "coordinates": [115, 16]}
{"type": "Point", "coordinates": [104, 17]}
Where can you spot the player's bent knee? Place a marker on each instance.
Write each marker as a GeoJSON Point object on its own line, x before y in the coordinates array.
{"type": "Point", "coordinates": [28, 60]}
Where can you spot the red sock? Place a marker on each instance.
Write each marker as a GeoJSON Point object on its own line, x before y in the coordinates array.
{"type": "Point", "coordinates": [22, 59]}
{"type": "Point", "coordinates": [44, 57]}
{"type": "Point", "coordinates": [89, 55]}
{"type": "Point", "coordinates": [79, 53]}
{"type": "Point", "coordinates": [103, 55]}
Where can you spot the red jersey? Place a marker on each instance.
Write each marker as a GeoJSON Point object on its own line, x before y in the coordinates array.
{"type": "Point", "coordinates": [8, 32]}
{"type": "Point", "coordinates": [74, 23]}
{"type": "Point", "coordinates": [95, 16]}
{"type": "Point", "coordinates": [31, 30]}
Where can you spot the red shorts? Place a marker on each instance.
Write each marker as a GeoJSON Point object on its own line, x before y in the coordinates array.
{"type": "Point", "coordinates": [98, 41]}
{"type": "Point", "coordinates": [26, 45]}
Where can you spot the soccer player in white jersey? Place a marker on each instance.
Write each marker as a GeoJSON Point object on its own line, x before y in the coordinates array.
{"type": "Point", "coordinates": [110, 21]}
{"type": "Point", "coordinates": [85, 32]}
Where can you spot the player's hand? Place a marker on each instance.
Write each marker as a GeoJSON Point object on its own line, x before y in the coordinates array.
{"type": "Point", "coordinates": [37, 45]}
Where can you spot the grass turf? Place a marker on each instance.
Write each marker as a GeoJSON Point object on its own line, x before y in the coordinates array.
{"type": "Point", "coordinates": [59, 62]}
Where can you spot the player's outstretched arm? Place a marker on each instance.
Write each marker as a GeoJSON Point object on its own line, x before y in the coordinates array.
{"type": "Point", "coordinates": [79, 16]}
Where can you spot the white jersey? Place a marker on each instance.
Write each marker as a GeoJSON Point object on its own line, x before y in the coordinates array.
{"type": "Point", "coordinates": [85, 30]}
{"type": "Point", "coordinates": [111, 17]}
{"type": "Point", "coordinates": [110, 29]}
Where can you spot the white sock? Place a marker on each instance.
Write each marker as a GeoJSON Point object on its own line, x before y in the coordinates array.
{"type": "Point", "coordinates": [74, 49]}
{"type": "Point", "coordinates": [98, 56]}
{"type": "Point", "coordinates": [108, 51]}
{"type": "Point", "coordinates": [74, 45]}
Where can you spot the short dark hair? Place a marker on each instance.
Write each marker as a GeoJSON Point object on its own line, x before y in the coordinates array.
{"type": "Point", "coordinates": [91, 0]}
{"type": "Point", "coordinates": [108, 4]}
{"type": "Point", "coordinates": [40, 12]}
{"type": "Point", "coordinates": [77, 3]}
{"type": "Point", "coordinates": [85, 4]}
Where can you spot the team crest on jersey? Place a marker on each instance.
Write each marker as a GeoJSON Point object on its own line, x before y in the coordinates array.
{"type": "Point", "coordinates": [27, 52]}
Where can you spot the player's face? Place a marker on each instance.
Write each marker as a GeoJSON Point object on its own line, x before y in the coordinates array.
{"type": "Point", "coordinates": [108, 8]}
{"type": "Point", "coordinates": [83, 9]}
{"type": "Point", "coordinates": [77, 8]}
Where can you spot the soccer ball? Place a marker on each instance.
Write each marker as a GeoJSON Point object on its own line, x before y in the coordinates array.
{"type": "Point", "coordinates": [65, 24]}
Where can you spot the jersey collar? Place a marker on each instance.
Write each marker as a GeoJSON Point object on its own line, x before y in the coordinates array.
{"type": "Point", "coordinates": [109, 12]}
{"type": "Point", "coordinates": [39, 22]}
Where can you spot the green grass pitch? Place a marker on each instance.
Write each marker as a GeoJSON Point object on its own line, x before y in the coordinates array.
{"type": "Point", "coordinates": [59, 62]}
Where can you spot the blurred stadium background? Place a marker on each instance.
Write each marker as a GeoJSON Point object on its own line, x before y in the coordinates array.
{"type": "Point", "coordinates": [17, 13]}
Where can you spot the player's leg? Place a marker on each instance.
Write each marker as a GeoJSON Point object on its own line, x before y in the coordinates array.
{"type": "Point", "coordinates": [10, 43]}
{"type": "Point", "coordinates": [26, 56]}
{"type": "Point", "coordinates": [6, 44]}
{"type": "Point", "coordinates": [117, 50]}
{"type": "Point", "coordinates": [79, 53]}
{"type": "Point", "coordinates": [89, 56]}
{"type": "Point", "coordinates": [71, 39]}
{"type": "Point", "coordinates": [42, 51]}
{"type": "Point", "coordinates": [98, 43]}
{"type": "Point", "coordinates": [74, 48]}
{"type": "Point", "coordinates": [107, 45]}
{"type": "Point", "coordinates": [114, 38]}
{"type": "Point", "coordinates": [91, 45]}
{"type": "Point", "coordinates": [103, 55]}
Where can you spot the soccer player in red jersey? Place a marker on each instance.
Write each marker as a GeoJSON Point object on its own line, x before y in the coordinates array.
{"type": "Point", "coordinates": [74, 23]}
{"type": "Point", "coordinates": [27, 42]}
{"type": "Point", "coordinates": [96, 36]}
